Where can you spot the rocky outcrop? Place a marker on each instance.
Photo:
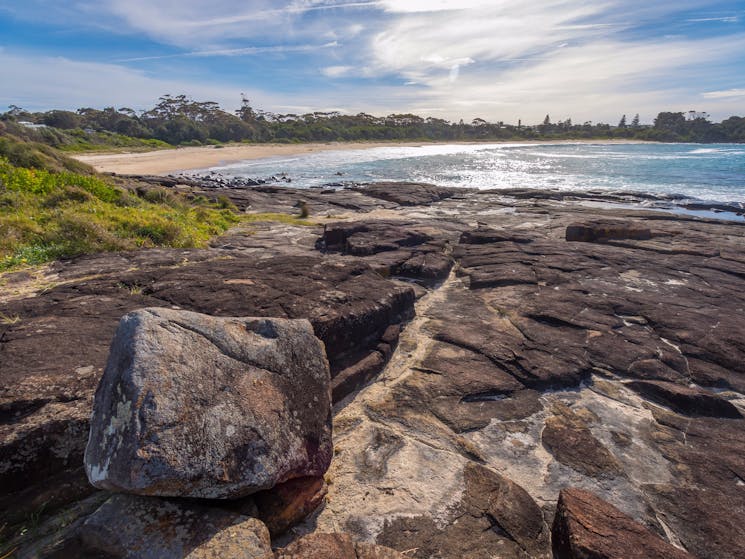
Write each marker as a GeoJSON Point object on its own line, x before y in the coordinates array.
{"type": "Point", "coordinates": [522, 364]}
{"type": "Point", "coordinates": [197, 406]}
{"type": "Point", "coordinates": [54, 355]}
{"type": "Point", "coordinates": [395, 247]}
{"type": "Point", "coordinates": [133, 527]}
{"type": "Point", "coordinates": [588, 527]}
{"type": "Point", "coordinates": [612, 366]}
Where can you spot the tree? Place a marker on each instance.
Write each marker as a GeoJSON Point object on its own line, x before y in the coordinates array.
{"type": "Point", "coordinates": [246, 113]}
{"type": "Point", "coordinates": [670, 122]}
{"type": "Point", "coordinates": [635, 121]}
{"type": "Point", "coordinates": [547, 121]}
{"type": "Point", "coordinates": [62, 119]}
{"type": "Point", "coordinates": [622, 122]}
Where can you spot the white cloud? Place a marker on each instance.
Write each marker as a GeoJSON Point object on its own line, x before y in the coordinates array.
{"type": "Point", "coordinates": [595, 81]}
{"type": "Point", "coordinates": [40, 82]}
{"type": "Point", "coordinates": [499, 60]}
{"type": "Point", "coordinates": [414, 6]}
{"type": "Point", "coordinates": [419, 42]}
{"type": "Point", "coordinates": [725, 94]}
{"type": "Point", "coordinates": [191, 23]}
{"type": "Point", "coordinates": [336, 71]}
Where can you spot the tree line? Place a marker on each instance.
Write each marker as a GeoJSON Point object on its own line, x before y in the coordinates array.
{"type": "Point", "coordinates": [180, 120]}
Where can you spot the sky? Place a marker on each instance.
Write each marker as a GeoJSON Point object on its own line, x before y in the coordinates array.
{"type": "Point", "coordinates": [501, 60]}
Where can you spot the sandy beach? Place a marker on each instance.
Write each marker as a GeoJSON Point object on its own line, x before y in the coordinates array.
{"type": "Point", "coordinates": [163, 162]}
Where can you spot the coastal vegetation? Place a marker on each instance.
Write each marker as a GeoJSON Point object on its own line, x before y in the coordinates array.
{"type": "Point", "coordinates": [181, 121]}
{"type": "Point", "coordinates": [52, 207]}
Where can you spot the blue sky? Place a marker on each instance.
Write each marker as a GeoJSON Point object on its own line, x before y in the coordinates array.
{"type": "Point", "coordinates": [499, 60]}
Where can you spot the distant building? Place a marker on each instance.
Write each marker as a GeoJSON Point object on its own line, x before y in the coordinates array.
{"type": "Point", "coordinates": [28, 124]}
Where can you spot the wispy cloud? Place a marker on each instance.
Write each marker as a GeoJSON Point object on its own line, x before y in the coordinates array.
{"type": "Point", "coordinates": [500, 60]}
{"type": "Point", "coordinates": [43, 82]}
{"type": "Point", "coordinates": [243, 51]}
{"type": "Point", "coordinates": [726, 94]}
{"type": "Point", "coordinates": [726, 19]}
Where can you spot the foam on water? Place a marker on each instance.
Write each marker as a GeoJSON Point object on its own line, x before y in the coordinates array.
{"type": "Point", "coordinates": [715, 172]}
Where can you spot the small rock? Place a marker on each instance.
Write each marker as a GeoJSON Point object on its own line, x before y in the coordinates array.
{"type": "Point", "coordinates": [134, 527]}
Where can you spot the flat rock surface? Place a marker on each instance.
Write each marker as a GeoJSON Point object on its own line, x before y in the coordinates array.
{"type": "Point", "coordinates": [334, 546]}
{"type": "Point", "coordinates": [535, 364]}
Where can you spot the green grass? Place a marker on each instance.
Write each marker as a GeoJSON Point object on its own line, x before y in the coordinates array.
{"type": "Point", "coordinates": [46, 216]}
{"type": "Point", "coordinates": [38, 156]}
{"type": "Point", "coordinates": [79, 141]}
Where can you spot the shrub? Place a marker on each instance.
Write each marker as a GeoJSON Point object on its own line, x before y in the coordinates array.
{"type": "Point", "coordinates": [46, 216]}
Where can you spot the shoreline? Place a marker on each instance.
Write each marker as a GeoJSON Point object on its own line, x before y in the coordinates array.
{"type": "Point", "coordinates": [168, 161]}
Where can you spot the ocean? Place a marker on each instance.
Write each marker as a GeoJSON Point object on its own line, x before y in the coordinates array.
{"type": "Point", "coordinates": [711, 172]}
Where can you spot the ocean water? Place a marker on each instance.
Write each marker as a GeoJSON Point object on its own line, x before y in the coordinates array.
{"type": "Point", "coordinates": [711, 172]}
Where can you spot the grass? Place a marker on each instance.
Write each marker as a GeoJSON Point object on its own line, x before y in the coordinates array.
{"type": "Point", "coordinates": [38, 156]}
{"type": "Point", "coordinates": [47, 215]}
{"type": "Point", "coordinates": [9, 319]}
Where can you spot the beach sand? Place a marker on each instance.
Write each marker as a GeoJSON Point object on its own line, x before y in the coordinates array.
{"type": "Point", "coordinates": [163, 162]}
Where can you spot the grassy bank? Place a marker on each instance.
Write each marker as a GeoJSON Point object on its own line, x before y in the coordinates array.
{"type": "Point", "coordinates": [47, 215]}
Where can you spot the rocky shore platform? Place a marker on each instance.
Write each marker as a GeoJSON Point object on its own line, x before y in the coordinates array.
{"type": "Point", "coordinates": [515, 374]}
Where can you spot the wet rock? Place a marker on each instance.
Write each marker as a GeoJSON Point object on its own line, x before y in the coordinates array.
{"type": "Point", "coordinates": [134, 527]}
{"type": "Point", "coordinates": [199, 406]}
{"type": "Point", "coordinates": [606, 230]}
{"type": "Point", "coordinates": [334, 546]}
{"type": "Point", "coordinates": [686, 400]}
{"type": "Point", "coordinates": [586, 526]}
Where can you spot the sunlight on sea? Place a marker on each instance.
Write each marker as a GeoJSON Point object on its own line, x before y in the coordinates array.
{"type": "Point", "coordinates": [713, 172]}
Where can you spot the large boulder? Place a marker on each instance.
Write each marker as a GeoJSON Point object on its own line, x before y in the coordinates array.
{"type": "Point", "coordinates": [586, 527]}
{"type": "Point", "coordinates": [200, 406]}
